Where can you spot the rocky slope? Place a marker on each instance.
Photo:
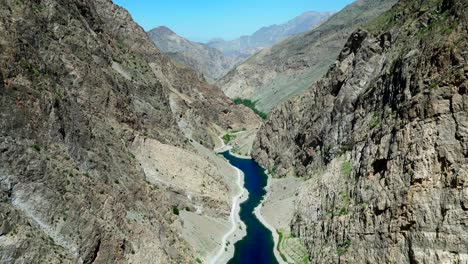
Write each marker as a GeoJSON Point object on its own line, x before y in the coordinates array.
{"type": "Point", "coordinates": [210, 62]}
{"type": "Point", "coordinates": [291, 66]}
{"type": "Point", "coordinates": [383, 142]}
{"type": "Point", "coordinates": [246, 46]}
{"type": "Point", "coordinates": [86, 101]}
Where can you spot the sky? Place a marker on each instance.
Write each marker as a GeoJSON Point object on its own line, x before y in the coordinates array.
{"type": "Point", "coordinates": [203, 20]}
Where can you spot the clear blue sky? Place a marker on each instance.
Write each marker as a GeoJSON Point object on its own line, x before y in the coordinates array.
{"type": "Point", "coordinates": [202, 20]}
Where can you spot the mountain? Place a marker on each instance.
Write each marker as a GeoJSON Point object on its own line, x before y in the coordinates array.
{"type": "Point", "coordinates": [291, 66]}
{"type": "Point", "coordinates": [105, 143]}
{"type": "Point", "coordinates": [208, 61]}
{"type": "Point", "coordinates": [246, 46]}
{"type": "Point", "coordinates": [382, 142]}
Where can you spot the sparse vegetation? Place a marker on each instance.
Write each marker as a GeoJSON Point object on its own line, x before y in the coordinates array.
{"type": "Point", "coordinates": [375, 122]}
{"type": "Point", "coordinates": [342, 248]}
{"type": "Point", "coordinates": [36, 147]}
{"type": "Point", "coordinates": [238, 130]}
{"type": "Point", "coordinates": [291, 249]}
{"type": "Point", "coordinates": [175, 210]}
{"type": "Point", "coordinates": [236, 150]}
{"type": "Point", "coordinates": [346, 168]}
{"type": "Point", "coordinates": [252, 105]}
{"type": "Point", "coordinates": [228, 138]}
{"type": "Point", "coordinates": [280, 239]}
{"type": "Point", "coordinates": [343, 211]}
{"type": "Point", "coordinates": [272, 171]}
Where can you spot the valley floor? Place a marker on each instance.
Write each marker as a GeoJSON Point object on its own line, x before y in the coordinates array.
{"type": "Point", "coordinates": [276, 213]}
{"type": "Point", "coordinates": [236, 231]}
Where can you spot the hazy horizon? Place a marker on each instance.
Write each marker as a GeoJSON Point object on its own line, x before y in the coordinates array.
{"type": "Point", "coordinates": [206, 20]}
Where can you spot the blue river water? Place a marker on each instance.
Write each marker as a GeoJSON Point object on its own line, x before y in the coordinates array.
{"type": "Point", "coordinates": [257, 246]}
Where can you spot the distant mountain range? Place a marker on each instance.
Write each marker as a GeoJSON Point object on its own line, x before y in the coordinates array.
{"type": "Point", "coordinates": [208, 61]}
{"type": "Point", "coordinates": [293, 65]}
{"type": "Point", "coordinates": [246, 46]}
{"type": "Point", "coordinates": [217, 57]}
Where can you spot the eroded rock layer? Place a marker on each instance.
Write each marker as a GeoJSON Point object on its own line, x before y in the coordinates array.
{"type": "Point", "coordinates": [383, 140]}
{"type": "Point", "coordinates": [82, 88]}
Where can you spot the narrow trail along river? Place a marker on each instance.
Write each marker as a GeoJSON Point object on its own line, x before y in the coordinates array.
{"type": "Point", "coordinates": [257, 246]}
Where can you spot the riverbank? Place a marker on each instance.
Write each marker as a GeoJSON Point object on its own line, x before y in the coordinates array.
{"type": "Point", "coordinates": [258, 245]}
{"type": "Point", "coordinates": [276, 212]}
{"type": "Point", "coordinates": [239, 156]}
{"type": "Point", "coordinates": [238, 229]}
{"type": "Point", "coordinates": [259, 215]}
{"type": "Point", "coordinates": [275, 220]}
{"type": "Point", "coordinates": [241, 141]}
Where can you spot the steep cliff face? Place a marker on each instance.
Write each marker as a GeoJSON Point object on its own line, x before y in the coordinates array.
{"type": "Point", "coordinates": [209, 62]}
{"type": "Point", "coordinates": [80, 85]}
{"type": "Point", "coordinates": [293, 65]}
{"type": "Point", "coordinates": [383, 140]}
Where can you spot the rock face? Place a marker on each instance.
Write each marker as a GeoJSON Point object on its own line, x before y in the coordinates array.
{"type": "Point", "coordinates": [246, 46]}
{"type": "Point", "coordinates": [293, 65]}
{"type": "Point", "coordinates": [210, 62]}
{"type": "Point", "coordinates": [383, 140]}
{"type": "Point", "coordinates": [81, 86]}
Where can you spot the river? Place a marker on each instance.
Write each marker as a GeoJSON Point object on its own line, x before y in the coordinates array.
{"type": "Point", "coordinates": [257, 246]}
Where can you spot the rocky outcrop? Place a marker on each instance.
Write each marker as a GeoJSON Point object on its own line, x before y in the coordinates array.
{"type": "Point", "coordinates": [81, 87]}
{"type": "Point", "coordinates": [383, 142]}
{"type": "Point", "coordinates": [209, 62]}
{"type": "Point", "coordinates": [293, 65]}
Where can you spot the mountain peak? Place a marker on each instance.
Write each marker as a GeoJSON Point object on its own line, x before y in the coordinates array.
{"type": "Point", "coordinates": [163, 30]}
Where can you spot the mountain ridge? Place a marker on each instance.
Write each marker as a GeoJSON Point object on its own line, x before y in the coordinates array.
{"type": "Point", "coordinates": [247, 45]}
{"type": "Point", "coordinates": [213, 60]}
{"type": "Point", "coordinates": [90, 109]}
{"type": "Point", "coordinates": [289, 67]}
{"type": "Point", "coordinates": [381, 142]}
{"type": "Point", "coordinates": [209, 62]}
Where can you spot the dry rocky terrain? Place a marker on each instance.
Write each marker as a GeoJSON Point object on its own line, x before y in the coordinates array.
{"type": "Point", "coordinates": [99, 133]}
{"type": "Point", "coordinates": [291, 66]}
{"type": "Point", "coordinates": [211, 63]}
{"type": "Point", "coordinates": [382, 141]}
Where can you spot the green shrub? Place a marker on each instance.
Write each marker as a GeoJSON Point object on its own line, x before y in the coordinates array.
{"type": "Point", "coordinates": [228, 137]}
{"type": "Point", "coordinates": [175, 210]}
{"type": "Point", "coordinates": [347, 168]}
{"type": "Point", "coordinates": [252, 105]}
{"type": "Point", "coordinates": [343, 211]}
{"type": "Point", "coordinates": [272, 171]}
{"type": "Point", "coordinates": [343, 247]}
{"type": "Point", "coordinates": [375, 122]}
{"type": "Point", "coordinates": [236, 150]}
{"type": "Point", "coordinates": [36, 147]}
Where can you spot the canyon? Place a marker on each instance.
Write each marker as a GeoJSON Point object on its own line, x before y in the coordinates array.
{"type": "Point", "coordinates": [124, 146]}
